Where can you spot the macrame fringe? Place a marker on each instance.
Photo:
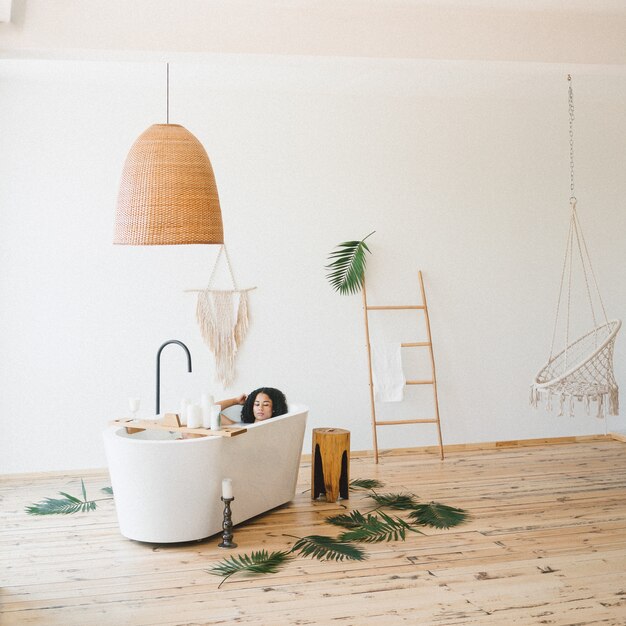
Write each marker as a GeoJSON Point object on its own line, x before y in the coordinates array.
{"type": "Point", "coordinates": [221, 333]}
{"type": "Point", "coordinates": [614, 401]}
{"type": "Point", "coordinates": [241, 327]}
{"type": "Point", "coordinates": [215, 314]}
{"type": "Point", "coordinates": [606, 403]}
{"type": "Point", "coordinates": [600, 413]}
{"type": "Point", "coordinates": [534, 397]}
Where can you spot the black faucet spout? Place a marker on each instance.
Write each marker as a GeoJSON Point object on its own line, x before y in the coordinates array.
{"type": "Point", "coordinates": [158, 369]}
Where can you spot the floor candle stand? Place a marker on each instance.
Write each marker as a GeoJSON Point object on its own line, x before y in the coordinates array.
{"type": "Point", "coordinates": [227, 535]}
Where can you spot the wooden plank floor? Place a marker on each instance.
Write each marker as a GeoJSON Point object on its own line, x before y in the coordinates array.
{"type": "Point", "coordinates": [546, 545]}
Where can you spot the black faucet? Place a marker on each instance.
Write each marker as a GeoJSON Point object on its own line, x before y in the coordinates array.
{"type": "Point", "coordinates": [158, 369]}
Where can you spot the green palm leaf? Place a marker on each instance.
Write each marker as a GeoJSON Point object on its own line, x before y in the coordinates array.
{"type": "Point", "coordinates": [437, 515]}
{"type": "Point", "coordinates": [108, 490]}
{"type": "Point", "coordinates": [348, 266]}
{"type": "Point", "coordinates": [399, 501]}
{"type": "Point", "coordinates": [353, 520]}
{"type": "Point", "coordinates": [260, 562]}
{"type": "Point", "coordinates": [327, 549]}
{"type": "Point", "coordinates": [66, 505]}
{"type": "Point", "coordinates": [365, 483]}
{"type": "Point", "coordinates": [60, 506]}
{"type": "Point", "coordinates": [375, 529]}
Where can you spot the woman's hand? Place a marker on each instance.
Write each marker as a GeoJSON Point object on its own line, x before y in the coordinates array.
{"type": "Point", "coordinates": [232, 401]}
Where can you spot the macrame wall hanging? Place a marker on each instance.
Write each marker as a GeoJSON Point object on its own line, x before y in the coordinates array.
{"type": "Point", "coordinates": [223, 318]}
{"type": "Point", "coordinates": [583, 369]}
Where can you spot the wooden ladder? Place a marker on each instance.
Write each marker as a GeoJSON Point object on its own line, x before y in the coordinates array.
{"type": "Point", "coordinates": [418, 344]}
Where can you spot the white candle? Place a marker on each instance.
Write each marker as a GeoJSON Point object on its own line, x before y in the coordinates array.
{"type": "Point", "coordinates": [216, 417]}
{"type": "Point", "coordinates": [133, 405]}
{"type": "Point", "coordinates": [206, 402]}
{"type": "Point", "coordinates": [194, 416]}
{"type": "Point", "coordinates": [206, 417]}
{"type": "Point", "coordinates": [227, 488]}
{"type": "Point", "coordinates": [184, 403]}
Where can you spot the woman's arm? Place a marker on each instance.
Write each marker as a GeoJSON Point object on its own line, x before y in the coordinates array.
{"type": "Point", "coordinates": [225, 404]}
{"type": "Point", "coordinates": [232, 401]}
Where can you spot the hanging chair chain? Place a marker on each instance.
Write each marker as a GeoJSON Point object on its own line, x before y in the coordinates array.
{"type": "Point", "coordinates": [571, 138]}
{"type": "Point", "coordinates": [575, 238]}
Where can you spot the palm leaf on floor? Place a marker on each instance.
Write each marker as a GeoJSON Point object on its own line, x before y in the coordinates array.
{"type": "Point", "coordinates": [377, 528]}
{"type": "Point", "coordinates": [365, 483]}
{"type": "Point", "coordinates": [437, 515]}
{"type": "Point", "coordinates": [355, 519]}
{"type": "Point", "coordinates": [261, 562]}
{"type": "Point", "coordinates": [347, 270]}
{"type": "Point", "coordinates": [399, 501]}
{"type": "Point", "coordinates": [66, 505]}
{"type": "Point", "coordinates": [60, 506]}
{"type": "Point", "coordinates": [327, 549]}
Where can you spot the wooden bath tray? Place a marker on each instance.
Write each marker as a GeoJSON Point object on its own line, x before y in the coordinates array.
{"type": "Point", "coordinates": [171, 422]}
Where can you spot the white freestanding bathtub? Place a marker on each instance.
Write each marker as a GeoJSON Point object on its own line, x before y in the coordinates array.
{"type": "Point", "coordinates": [168, 490]}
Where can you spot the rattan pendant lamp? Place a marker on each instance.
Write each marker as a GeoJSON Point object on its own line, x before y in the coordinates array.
{"type": "Point", "coordinates": [168, 193]}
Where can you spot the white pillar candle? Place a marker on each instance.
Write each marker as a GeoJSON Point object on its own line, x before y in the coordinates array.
{"type": "Point", "coordinates": [227, 488]}
{"type": "Point", "coordinates": [184, 403]}
{"type": "Point", "coordinates": [206, 417]}
{"type": "Point", "coordinates": [216, 417]}
{"type": "Point", "coordinates": [194, 416]}
{"type": "Point", "coordinates": [206, 402]}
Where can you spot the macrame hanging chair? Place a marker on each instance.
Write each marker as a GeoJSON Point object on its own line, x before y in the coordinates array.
{"type": "Point", "coordinates": [223, 330]}
{"type": "Point", "coordinates": [583, 370]}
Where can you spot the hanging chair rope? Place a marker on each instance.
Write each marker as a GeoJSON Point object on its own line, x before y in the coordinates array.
{"type": "Point", "coordinates": [576, 238]}
{"type": "Point", "coordinates": [583, 370]}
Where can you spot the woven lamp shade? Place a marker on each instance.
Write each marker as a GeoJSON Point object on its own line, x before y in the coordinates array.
{"type": "Point", "coordinates": [168, 193]}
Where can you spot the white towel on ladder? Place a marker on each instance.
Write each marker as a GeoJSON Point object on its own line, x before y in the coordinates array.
{"type": "Point", "coordinates": [387, 372]}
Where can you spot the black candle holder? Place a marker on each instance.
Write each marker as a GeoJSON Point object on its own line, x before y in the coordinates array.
{"type": "Point", "coordinates": [227, 525]}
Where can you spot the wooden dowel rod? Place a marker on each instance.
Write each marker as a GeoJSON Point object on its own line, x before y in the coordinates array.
{"type": "Point", "coordinates": [420, 382]}
{"type": "Point", "coordinates": [415, 344]}
{"type": "Point", "coordinates": [369, 365]}
{"type": "Point", "coordinates": [220, 290]}
{"type": "Point", "coordinates": [432, 362]}
{"type": "Point", "coordinates": [395, 307]}
{"type": "Point", "coordinates": [393, 422]}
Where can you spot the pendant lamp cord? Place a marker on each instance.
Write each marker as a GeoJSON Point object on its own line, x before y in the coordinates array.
{"type": "Point", "coordinates": [167, 93]}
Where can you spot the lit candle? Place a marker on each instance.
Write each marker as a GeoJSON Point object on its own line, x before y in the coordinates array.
{"type": "Point", "coordinates": [194, 416]}
{"type": "Point", "coordinates": [227, 489]}
{"type": "Point", "coordinates": [216, 417]}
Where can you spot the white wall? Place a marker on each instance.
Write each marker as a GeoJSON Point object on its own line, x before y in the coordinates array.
{"type": "Point", "coordinates": [461, 168]}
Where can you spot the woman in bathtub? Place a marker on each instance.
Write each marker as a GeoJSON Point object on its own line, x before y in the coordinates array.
{"type": "Point", "coordinates": [261, 404]}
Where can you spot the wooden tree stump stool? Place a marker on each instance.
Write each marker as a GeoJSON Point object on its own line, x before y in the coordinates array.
{"type": "Point", "coordinates": [330, 463]}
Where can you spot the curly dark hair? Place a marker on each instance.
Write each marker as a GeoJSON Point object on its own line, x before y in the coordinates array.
{"type": "Point", "coordinates": [279, 403]}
